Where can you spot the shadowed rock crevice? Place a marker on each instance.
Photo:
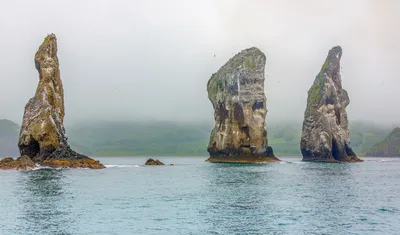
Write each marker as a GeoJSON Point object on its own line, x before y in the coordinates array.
{"type": "Point", "coordinates": [31, 149]}
{"type": "Point", "coordinates": [236, 92]}
{"type": "Point", "coordinates": [42, 136]}
{"type": "Point", "coordinates": [325, 135]}
{"type": "Point", "coordinates": [335, 151]}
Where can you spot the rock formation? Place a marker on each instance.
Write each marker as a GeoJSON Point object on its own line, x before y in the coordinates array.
{"type": "Point", "coordinates": [390, 147]}
{"type": "Point", "coordinates": [236, 92]}
{"type": "Point", "coordinates": [20, 164]}
{"type": "Point", "coordinates": [42, 136]}
{"type": "Point", "coordinates": [325, 136]}
{"type": "Point", "coordinates": [153, 162]}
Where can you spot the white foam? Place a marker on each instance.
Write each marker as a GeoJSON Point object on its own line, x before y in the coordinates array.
{"type": "Point", "coordinates": [120, 166]}
{"type": "Point", "coordinates": [299, 162]}
{"type": "Point", "coordinates": [38, 167]}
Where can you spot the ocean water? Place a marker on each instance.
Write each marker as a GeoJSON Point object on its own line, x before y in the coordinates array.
{"type": "Point", "coordinates": [196, 197]}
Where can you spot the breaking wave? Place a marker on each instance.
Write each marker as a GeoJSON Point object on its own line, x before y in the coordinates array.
{"type": "Point", "coordinates": [120, 166]}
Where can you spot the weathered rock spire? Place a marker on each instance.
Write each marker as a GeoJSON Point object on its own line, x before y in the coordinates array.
{"type": "Point", "coordinates": [236, 92]}
{"type": "Point", "coordinates": [42, 136]}
{"type": "Point", "coordinates": [325, 135]}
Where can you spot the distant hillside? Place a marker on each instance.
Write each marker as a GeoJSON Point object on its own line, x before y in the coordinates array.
{"type": "Point", "coordinates": [9, 132]}
{"type": "Point", "coordinates": [285, 139]}
{"type": "Point", "coordinates": [389, 147]}
{"type": "Point", "coordinates": [363, 135]}
{"type": "Point", "coordinates": [191, 139]}
{"type": "Point", "coordinates": [140, 138]}
{"type": "Point", "coordinates": [178, 139]}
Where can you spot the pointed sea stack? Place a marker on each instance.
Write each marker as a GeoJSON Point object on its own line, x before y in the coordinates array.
{"type": "Point", "coordinates": [325, 136]}
{"type": "Point", "coordinates": [42, 136]}
{"type": "Point", "coordinates": [236, 92]}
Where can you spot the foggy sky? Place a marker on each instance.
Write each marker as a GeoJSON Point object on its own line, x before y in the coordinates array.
{"type": "Point", "coordinates": [135, 60]}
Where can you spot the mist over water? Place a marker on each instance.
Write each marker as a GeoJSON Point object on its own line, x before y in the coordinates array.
{"type": "Point", "coordinates": [135, 76]}
{"type": "Point", "coordinates": [151, 60]}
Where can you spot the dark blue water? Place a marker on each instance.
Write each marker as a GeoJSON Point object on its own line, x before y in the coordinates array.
{"type": "Point", "coordinates": [195, 197]}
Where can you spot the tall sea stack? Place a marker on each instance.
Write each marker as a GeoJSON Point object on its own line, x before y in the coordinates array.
{"type": "Point", "coordinates": [236, 92]}
{"type": "Point", "coordinates": [42, 136]}
{"type": "Point", "coordinates": [325, 136]}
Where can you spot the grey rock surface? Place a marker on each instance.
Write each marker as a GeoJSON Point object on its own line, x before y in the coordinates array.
{"type": "Point", "coordinates": [325, 134]}
{"type": "Point", "coordinates": [236, 92]}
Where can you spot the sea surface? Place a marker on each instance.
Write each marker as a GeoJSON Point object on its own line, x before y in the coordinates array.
{"type": "Point", "coordinates": [196, 197]}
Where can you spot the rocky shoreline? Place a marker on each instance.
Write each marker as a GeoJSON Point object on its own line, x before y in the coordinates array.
{"type": "Point", "coordinates": [21, 164]}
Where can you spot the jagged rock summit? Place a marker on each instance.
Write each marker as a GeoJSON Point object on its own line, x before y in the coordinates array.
{"type": "Point", "coordinates": [236, 92]}
{"type": "Point", "coordinates": [42, 136]}
{"type": "Point", "coordinates": [325, 136]}
{"type": "Point", "coordinates": [389, 147]}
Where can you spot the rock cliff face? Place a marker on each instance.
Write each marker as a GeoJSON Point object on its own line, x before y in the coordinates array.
{"type": "Point", "coordinates": [390, 147]}
{"type": "Point", "coordinates": [325, 136]}
{"type": "Point", "coordinates": [236, 92]}
{"type": "Point", "coordinates": [42, 136]}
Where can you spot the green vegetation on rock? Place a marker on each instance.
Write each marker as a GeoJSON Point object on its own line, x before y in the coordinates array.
{"type": "Point", "coordinates": [46, 40]}
{"type": "Point", "coordinates": [314, 94]}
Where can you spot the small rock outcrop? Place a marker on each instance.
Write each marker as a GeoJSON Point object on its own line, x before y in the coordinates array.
{"type": "Point", "coordinates": [42, 136]}
{"type": "Point", "coordinates": [389, 147]}
{"type": "Point", "coordinates": [20, 164]}
{"type": "Point", "coordinates": [236, 92]}
{"type": "Point", "coordinates": [153, 162]}
{"type": "Point", "coordinates": [325, 135]}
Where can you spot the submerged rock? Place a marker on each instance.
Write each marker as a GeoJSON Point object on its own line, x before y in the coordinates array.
{"type": "Point", "coordinates": [325, 136]}
{"type": "Point", "coordinates": [151, 161]}
{"type": "Point", "coordinates": [21, 164]}
{"type": "Point", "coordinates": [42, 136]}
{"type": "Point", "coordinates": [74, 163]}
{"type": "Point", "coordinates": [389, 147]}
{"type": "Point", "coordinates": [236, 92]}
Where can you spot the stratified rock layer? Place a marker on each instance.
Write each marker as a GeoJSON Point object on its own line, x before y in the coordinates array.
{"type": "Point", "coordinates": [389, 147]}
{"type": "Point", "coordinates": [236, 92]}
{"type": "Point", "coordinates": [42, 136]}
{"type": "Point", "coordinates": [325, 136]}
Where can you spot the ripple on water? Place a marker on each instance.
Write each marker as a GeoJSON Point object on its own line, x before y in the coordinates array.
{"type": "Point", "coordinates": [204, 198]}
